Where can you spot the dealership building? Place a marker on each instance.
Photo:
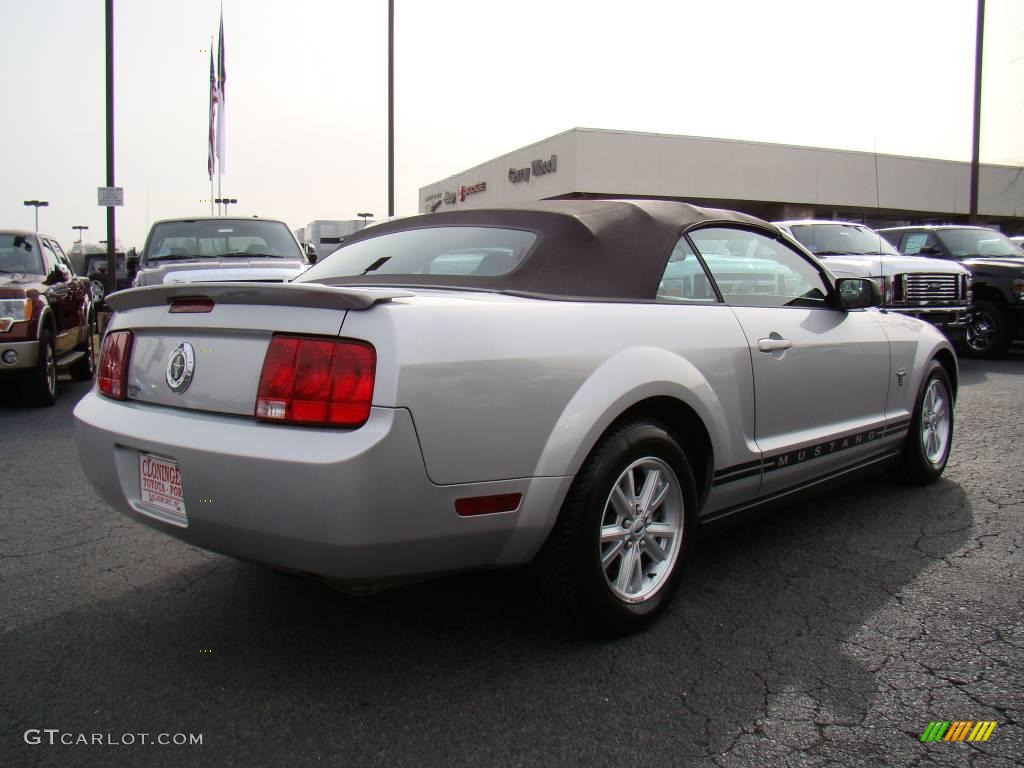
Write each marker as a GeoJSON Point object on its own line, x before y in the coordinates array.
{"type": "Point", "coordinates": [771, 181]}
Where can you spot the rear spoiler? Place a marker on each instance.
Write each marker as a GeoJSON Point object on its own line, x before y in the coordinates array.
{"type": "Point", "coordinates": [311, 295]}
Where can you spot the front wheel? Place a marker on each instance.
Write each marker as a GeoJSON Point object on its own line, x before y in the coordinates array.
{"type": "Point", "coordinates": [931, 429]}
{"type": "Point", "coordinates": [40, 384]}
{"type": "Point", "coordinates": [617, 552]}
{"type": "Point", "coordinates": [988, 333]}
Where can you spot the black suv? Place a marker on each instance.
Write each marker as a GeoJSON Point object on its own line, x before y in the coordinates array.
{"type": "Point", "coordinates": [997, 275]}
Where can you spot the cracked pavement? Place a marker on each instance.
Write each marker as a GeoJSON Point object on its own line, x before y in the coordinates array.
{"type": "Point", "coordinates": [828, 634]}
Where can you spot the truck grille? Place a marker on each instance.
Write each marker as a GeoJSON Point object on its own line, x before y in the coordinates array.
{"type": "Point", "coordinates": [922, 288]}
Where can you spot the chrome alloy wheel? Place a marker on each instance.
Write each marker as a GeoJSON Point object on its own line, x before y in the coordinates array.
{"type": "Point", "coordinates": [641, 530]}
{"type": "Point", "coordinates": [981, 332]}
{"type": "Point", "coordinates": [51, 370]}
{"type": "Point", "coordinates": [99, 290]}
{"type": "Point", "coordinates": [936, 420]}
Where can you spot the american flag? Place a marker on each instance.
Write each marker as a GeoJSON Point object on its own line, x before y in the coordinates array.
{"type": "Point", "coordinates": [210, 160]}
{"type": "Point", "coordinates": [221, 80]}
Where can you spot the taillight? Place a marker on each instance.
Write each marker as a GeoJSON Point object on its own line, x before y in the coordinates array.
{"type": "Point", "coordinates": [112, 375]}
{"type": "Point", "coordinates": [309, 380]}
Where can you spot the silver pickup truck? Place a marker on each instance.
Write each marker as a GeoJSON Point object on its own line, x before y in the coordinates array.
{"type": "Point", "coordinates": [935, 290]}
{"type": "Point", "coordinates": [216, 249]}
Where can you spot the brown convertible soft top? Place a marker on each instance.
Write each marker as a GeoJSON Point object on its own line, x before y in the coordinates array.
{"type": "Point", "coordinates": [615, 249]}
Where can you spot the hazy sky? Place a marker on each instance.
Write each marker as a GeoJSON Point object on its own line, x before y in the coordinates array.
{"type": "Point", "coordinates": [307, 92]}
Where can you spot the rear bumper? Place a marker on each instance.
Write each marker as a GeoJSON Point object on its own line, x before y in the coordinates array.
{"type": "Point", "coordinates": [351, 505]}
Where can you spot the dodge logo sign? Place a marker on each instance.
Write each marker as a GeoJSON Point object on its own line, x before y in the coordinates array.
{"type": "Point", "coordinates": [180, 365]}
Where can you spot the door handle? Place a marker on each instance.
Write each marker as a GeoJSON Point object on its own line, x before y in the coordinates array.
{"type": "Point", "coordinates": [773, 344]}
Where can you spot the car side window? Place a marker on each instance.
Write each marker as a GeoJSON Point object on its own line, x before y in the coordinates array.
{"type": "Point", "coordinates": [753, 270]}
{"type": "Point", "coordinates": [59, 253]}
{"type": "Point", "coordinates": [684, 279]}
{"type": "Point", "coordinates": [50, 259]}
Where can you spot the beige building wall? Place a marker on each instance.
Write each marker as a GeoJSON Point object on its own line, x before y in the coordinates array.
{"type": "Point", "coordinates": [601, 162]}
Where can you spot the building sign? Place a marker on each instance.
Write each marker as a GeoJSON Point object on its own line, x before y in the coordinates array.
{"type": "Point", "coordinates": [536, 168]}
{"type": "Point", "coordinates": [472, 189]}
{"type": "Point", "coordinates": [450, 198]}
{"type": "Point", "coordinates": [433, 202]}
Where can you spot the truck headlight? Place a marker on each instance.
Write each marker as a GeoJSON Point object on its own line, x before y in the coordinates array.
{"type": "Point", "coordinates": [14, 311]}
{"type": "Point", "coordinates": [1018, 288]}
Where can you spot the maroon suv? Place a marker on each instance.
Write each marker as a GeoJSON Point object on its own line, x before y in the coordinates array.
{"type": "Point", "coordinates": [46, 316]}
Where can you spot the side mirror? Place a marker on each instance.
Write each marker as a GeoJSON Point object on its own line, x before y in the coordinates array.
{"type": "Point", "coordinates": [311, 253]}
{"type": "Point", "coordinates": [58, 275]}
{"type": "Point", "coordinates": [930, 250]}
{"type": "Point", "coordinates": [857, 293]}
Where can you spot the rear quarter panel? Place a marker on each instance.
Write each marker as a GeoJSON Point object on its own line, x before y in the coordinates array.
{"type": "Point", "coordinates": [503, 387]}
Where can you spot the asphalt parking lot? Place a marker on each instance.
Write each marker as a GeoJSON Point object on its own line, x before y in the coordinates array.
{"type": "Point", "coordinates": [829, 634]}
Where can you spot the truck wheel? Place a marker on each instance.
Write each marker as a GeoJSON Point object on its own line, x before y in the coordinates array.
{"type": "Point", "coordinates": [617, 552]}
{"type": "Point", "coordinates": [85, 369]}
{"type": "Point", "coordinates": [931, 429]}
{"type": "Point", "coordinates": [40, 384]}
{"type": "Point", "coordinates": [99, 289]}
{"type": "Point", "coordinates": [988, 334]}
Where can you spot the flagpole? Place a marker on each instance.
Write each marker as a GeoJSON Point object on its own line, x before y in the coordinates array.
{"type": "Point", "coordinates": [211, 148]}
{"type": "Point", "coordinates": [221, 99]}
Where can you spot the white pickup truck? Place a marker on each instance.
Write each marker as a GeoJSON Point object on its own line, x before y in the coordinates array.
{"type": "Point", "coordinates": [935, 290]}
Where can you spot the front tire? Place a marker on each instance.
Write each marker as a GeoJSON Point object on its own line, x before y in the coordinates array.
{"type": "Point", "coordinates": [40, 384]}
{"type": "Point", "coordinates": [988, 334]}
{"type": "Point", "coordinates": [618, 550]}
{"type": "Point", "coordinates": [931, 429]}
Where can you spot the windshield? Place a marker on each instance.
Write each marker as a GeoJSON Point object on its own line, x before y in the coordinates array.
{"type": "Point", "coordinates": [19, 254]}
{"type": "Point", "coordinates": [438, 251]}
{"type": "Point", "coordinates": [962, 243]}
{"type": "Point", "coordinates": [841, 240]}
{"type": "Point", "coordinates": [220, 238]}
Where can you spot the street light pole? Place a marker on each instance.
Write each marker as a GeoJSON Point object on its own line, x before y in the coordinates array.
{"type": "Point", "coordinates": [364, 217]}
{"type": "Point", "coordinates": [111, 219]}
{"type": "Point", "coordinates": [37, 204]}
{"type": "Point", "coordinates": [976, 142]}
{"type": "Point", "coordinates": [391, 108]}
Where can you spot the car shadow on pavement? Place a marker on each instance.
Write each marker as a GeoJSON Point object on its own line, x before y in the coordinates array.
{"type": "Point", "coordinates": [974, 371]}
{"type": "Point", "coordinates": [273, 669]}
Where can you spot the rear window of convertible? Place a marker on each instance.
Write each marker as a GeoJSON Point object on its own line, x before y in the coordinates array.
{"type": "Point", "coordinates": [439, 251]}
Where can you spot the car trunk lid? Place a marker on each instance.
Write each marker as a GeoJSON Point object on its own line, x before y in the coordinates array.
{"type": "Point", "coordinates": [222, 345]}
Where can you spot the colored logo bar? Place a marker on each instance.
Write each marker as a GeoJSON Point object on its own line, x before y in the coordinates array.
{"type": "Point", "coordinates": [959, 730]}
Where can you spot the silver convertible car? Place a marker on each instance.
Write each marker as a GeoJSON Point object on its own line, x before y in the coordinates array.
{"type": "Point", "coordinates": [579, 385]}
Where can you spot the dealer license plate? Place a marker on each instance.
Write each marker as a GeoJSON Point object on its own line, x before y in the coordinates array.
{"type": "Point", "coordinates": [160, 483]}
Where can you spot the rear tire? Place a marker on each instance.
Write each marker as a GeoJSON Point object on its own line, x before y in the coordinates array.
{"type": "Point", "coordinates": [931, 429]}
{"type": "Point", "coordinates": [40, 384]}
{"type": "Point", "coordinates": [988, 334]}
{"type": "Point", "coordinates": [85, 369]}
{"type": "Point", "coordinates": [617, 552]}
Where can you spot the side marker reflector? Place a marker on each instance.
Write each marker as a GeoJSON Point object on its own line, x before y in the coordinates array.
{"type": "Point", "coordinates": [488, 505]}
